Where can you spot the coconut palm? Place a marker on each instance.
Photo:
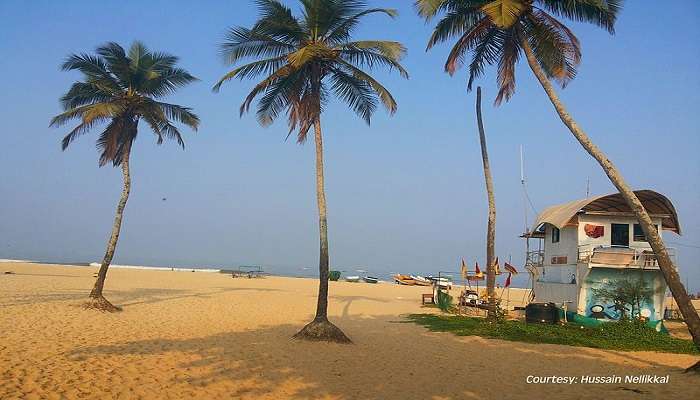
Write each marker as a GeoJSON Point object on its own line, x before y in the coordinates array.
{"type": "Point", "coordinates": [117, 90]}
{"type": "Point", "coordinates": [303, 61]}
{"type": "Point", "coordinates": [491, 222]}
{"type": "Point", "coordinates": [498, 32]}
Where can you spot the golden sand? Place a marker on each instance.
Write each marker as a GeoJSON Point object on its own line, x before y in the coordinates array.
{"type": "Point", "coordinates": [208, 336]}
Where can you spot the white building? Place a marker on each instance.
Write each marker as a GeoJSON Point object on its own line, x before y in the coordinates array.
{"type": "Point", "coordinates": [591, 243]}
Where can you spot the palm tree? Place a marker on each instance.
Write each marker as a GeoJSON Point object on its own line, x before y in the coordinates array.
{"type": "Point", "coordinates": [491, 224]}
{"type": "Point", "coordinates": [119, 89]}
{"type": "Point", "coordinates": [497, 31]}
{"type": "Point", "coordinates": [303, 61]}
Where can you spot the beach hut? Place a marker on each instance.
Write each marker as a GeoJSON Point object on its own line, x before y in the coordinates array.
{"type": "Point", "coordinates": [586, 248]}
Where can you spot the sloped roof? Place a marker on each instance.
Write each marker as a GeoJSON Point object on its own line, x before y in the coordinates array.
{"type": "Point", "coordinates": [653, 202]}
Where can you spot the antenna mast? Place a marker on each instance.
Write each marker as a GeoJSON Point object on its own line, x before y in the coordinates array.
{"type": "Point", "coordinates": [522, 182]}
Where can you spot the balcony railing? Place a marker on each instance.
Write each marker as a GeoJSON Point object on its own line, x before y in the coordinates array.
{"type": "Point", "coordinates": [621, 256]}
{"type": "Point", "coordinates": [534, 258]}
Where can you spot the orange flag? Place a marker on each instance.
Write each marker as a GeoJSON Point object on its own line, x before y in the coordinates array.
{"type": "Point", "coordinates": [478, 271]}
{"type": "Point", "coordinates": [497, 267]}
{"type": "Point", "coordinates": [464, 269]}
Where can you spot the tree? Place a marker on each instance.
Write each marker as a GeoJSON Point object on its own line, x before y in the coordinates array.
{"type": "Point", "coordinates": [627, 295]}
{"type": "Point", "coordinates": [491, 224]}
{"type": "Point", "coordinates": [118, 89]}
{"type": "Point", "coordinates": [497, 31]}
{"type": "Point", "coordinates": [305, 60]}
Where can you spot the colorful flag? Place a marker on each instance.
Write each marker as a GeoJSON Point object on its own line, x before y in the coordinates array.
{"type": "Point", "coordinates": [497, 267]}
{"type": "Point", "coordinates": [478, 271]}
{"type": "Point", "coordinates": [511, 269]}
{"type": "Point", "coordinates": [507, 280]}
{"type": "Point", "coordinates": [463, 269]}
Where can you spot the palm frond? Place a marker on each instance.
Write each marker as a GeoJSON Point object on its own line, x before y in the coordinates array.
{"type": "Point", "coordinates": [277, 21]}
{"type": "Point", "coordinates": [506, 65]}
{"type": "Point", "coordinates": [602, 13]}
{"type": "Point", "coordinates": [118, 134]}
{"type": "Point", "coordinates": [357, 93]}
{"type": "Point", "coordinates": [557, 52]}
{"type": "Point", "coordinates": [384, 95]}
{"type": "Point", "coordinates": [468, 41]}
{"type": "Point", "coordinates": [485, 52]}
{"type": "Point", "coordinates": [457, 21]}
{"type": "Point", "coordinates": [342, 32]}
{"type": "Point", "coordinates": [246, 43]}
{"type": "Point", "coordinates": [267, 66]}
{"type": "Point", "coordinates": [371, 58]}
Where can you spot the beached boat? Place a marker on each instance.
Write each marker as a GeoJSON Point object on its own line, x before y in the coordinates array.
{"type": "Point", "coordinates": [370, 279]}
{"type": "Point", "coordinates": [421, 281]}
{"type": "Point", "coordinates": [352, 278]}
{"type": "Point", "coordinates": [441, 282]}
{"type": "Point", "coordinates": [404, 280]}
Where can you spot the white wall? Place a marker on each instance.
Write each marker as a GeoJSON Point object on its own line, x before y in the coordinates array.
{"type": "Point", "coordinates": [606, 222]}
{"type": "Point", "coordinates": [566, 247]}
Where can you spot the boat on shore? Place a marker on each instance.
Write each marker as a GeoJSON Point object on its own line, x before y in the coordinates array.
{"type": "Point", "coordinates": [421, 281]}
{"type": "Point", "coordinates": [404, 280]}
{"type": "Point", "coordinates": [352, 278]}
{"type": "Point", "coordinates": [370, 279]}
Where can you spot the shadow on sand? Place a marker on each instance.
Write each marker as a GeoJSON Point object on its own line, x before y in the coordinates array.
{"type": "Point", "coordinates": [388, 361]}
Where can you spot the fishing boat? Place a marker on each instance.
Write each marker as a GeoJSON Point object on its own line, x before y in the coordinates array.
{"type": "Point", "coordinates": [441, 281]}
{"type": "Point", "coordinates": [370, 279]}
{"type": "Point", "coordinates": [404, 280]}
{"type": "Point", "coordinates": [352, 278]}
{"type": "Point", "coordinates": [421, 281]}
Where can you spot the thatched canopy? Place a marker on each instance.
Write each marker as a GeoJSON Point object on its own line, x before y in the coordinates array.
{"type": "Point", "coordinates": [655, 203]}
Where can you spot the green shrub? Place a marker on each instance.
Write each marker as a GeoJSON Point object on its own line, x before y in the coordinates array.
{"type": "Point", "coordinates": [627, 335]}
{"type": "Point", "coordinates": [334, 275]}
{"type": "Point", "coordinates": [444, 301]}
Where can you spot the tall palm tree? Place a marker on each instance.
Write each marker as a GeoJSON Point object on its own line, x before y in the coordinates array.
{"type": "Point", "coordinates": [497, 32]}
{"type": "Point", "coordinates": [119, 89]}
{"type": "Point", "coordinates": [491, 222]}
{"type": "Point", "coordinates": [303, 61]}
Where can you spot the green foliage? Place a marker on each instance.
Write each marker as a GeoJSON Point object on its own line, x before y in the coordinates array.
{"type": "Point", "coordinates": [624, 293]}
{"type": "Point", "coordinates": [334, 275]}
{"type": "Point", "coordinates": [624, 335]}
{"type": "Point", "coordinates": [493, 32]}
{"type": "Point", "coordinates": [304, 59]}
{"type": "Point", "coordinates": [118, 89]}
{"type": "Point", "coordinates": [444, 301]}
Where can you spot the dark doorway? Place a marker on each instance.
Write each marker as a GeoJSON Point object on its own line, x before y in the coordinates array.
{"type": "Point", "coordinates": [620, 235]}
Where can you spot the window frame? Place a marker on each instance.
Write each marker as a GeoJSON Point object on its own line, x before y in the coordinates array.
{"type": "Point", "coordinates": [558, 234]}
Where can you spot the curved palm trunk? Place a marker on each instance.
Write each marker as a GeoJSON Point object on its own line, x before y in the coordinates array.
{"type": "Point", "coordinates": [97, 300]}
{"type": "Point", "coordinates": [668, 270]}
{"type": "Point", "coordinates": [320, 329]}
{"type": "Point", "coordinates": [491, 227]}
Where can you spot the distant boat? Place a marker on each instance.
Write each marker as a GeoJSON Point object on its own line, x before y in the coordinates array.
{"type": "Point", "coordinates": [370, 279]}
{"type": "Point", "coordinates": [404, 280]}
{"type": "Point", "coordinates": [442, 281]}
{"type": "Point", "coordinates": [419, 280]}
{"type": "Point", "coordinates": [352, 278]}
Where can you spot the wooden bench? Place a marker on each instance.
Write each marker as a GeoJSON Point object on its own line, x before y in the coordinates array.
{"type": "Point", "coordinates": [428, 298]}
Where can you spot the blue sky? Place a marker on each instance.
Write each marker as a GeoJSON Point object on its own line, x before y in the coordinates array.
{"type": "Point", "coordinates": [404, 194]}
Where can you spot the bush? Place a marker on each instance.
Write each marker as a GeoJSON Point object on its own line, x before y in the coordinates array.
{"type": "Point", "coordinates": [624, 335]}
{"type": "Point", "coordinates": [444, 301]}
{"type": "Point", "coordinates": [334, 275]}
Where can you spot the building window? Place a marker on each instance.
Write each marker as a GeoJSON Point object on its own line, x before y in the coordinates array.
{"type": "Point", "coordinates": [620, 235]}
{"type": "Point", "coordinates": [555, 235]}
{"type": "Point", "coordinates": [638, 234]}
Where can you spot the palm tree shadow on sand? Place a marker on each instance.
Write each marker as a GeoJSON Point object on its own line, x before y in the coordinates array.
{"type": "Point", "coordinates": [388, 361]}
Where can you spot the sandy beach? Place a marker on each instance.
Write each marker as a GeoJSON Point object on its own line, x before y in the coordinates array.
{"type": "Point", "coordinates": [208, 336]}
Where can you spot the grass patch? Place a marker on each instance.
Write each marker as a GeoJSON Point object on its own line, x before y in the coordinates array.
{"type": "Point", "coordinates": [626, 336]}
